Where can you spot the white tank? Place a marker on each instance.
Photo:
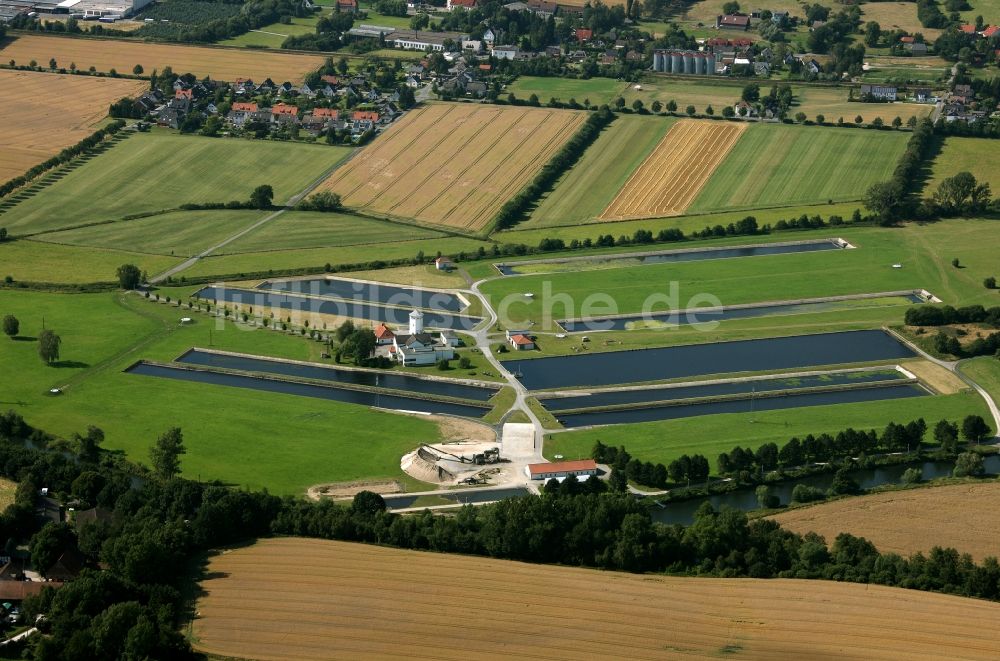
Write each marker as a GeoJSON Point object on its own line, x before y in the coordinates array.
{"type": "Point", "coordinates": [416, 322]}
{"type": "Point", "coordinates": [676, 63]}
{"type": "Point", "coordinates": [688, 63]}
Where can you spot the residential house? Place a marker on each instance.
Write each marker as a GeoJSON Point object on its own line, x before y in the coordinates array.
{"type": "Point", "coordinates": [965, 91]}
{"type": "Point", "coordinates": [474, 45]}
{"type": "Point", "coordinates": [320, 120]}
{"type": "Point", "coordinates": [505, 52]}
{"type": "Point", "coordinates": [812, 66]}
{"type": "Point", "coordinates": [452, 5]}
{"type": "Point", "coordinates": [744, 109]}
{"type": "Point", "coordinates": [922, 94]}
{"type": "Point", "coordinates": [241, 113]}
{"type": "Point", "coordinates": [553, 51]}
{"type": "Point", "coordinates": [449, 338]}
{"type": "Point", "coordinates": [476, 88]}
{"type": "Point", "coordinates": [732, 22]}
{"type": "Point", "coordinates": [609, 57]}
{"type": "Point", "coordinates": [443, 264]}
{"type": "Point", "coordinates": [779, 17]}
{"type": "Point", "coordinates": [347, 6]}
{"type": "Point", "coordinates": [583, 34]}
{"type": "Point", "coordinates": [363, 121]}
{"type": "Point", "coordinates": [917, 48]}
{"type": "Point", "coordinates": [184, 94]}
{"type": "Point", "coordinates": [282, 113]}
{"type": "Point", "coordinates": [384, 335]}
{"type": "Point", "coordinates": [331, 80]}
{"type": "Point", "coordinates": [762, 68]}
{"type": "Point", "coordinates": [66, 567]}
{"type": "Point", "coordinates": [878, 93]}
{"type": "Point", "coordinates": [991, 31]}
{"type": "Point", "coordinates": [148, 102]}
{"type": "Point", "coordinates": [267, 87]}
{"type": "Point", "coordinates": [306, 91]}
{"type": "Point", "coordinates": [577, 56]}
{"type": "Point", "coordinates": [491, 37]}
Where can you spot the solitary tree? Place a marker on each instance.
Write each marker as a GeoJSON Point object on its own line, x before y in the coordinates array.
{"type": "Point", "coordinates": [657, 107]}
{"type": "Point", "coordinates": [990, 282]}
{"type": "Point", "coordinates": [368, 502]}
{"type": "Point", "coordinates": [137, 69]}
{"type": "Point", "coordinates": [166, 453]}
{"type": "Point", "coordinates": [261, 197]}
{"type": "Point", "coordinates": [129, 276]}
{"type": "Point", "coordinates": [969, 464]}
{"type": "Point", "coordinates": [946, 433]}
{"type": "Point", "coordinates": [52, 63]}
{"type": "Point", "coordinates": [11, 326]}
{"type": "Point", "coordinates": [49, 543]}
{"type": "Point", "coordinates": [690, 110]}
{"type": "Point", "coordinates": [974, 428]}
{"type": "Point", "coordinates": [87, 447]}
{"type": "Point", "coordinates": [48, 346]}
{"type": "Point", "coordinates": [671, 106]}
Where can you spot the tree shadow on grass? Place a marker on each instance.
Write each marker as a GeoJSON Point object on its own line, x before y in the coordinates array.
{"type": "Point", "coordinates": [24, 338]}
{"type": "Point", "coordinates": [69, 363]}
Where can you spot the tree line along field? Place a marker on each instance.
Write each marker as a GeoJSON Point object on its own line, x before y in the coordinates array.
{"type": "Point", "coordinates": [597, 90]}
{"type": "Point", "coordinates": [218, 63]}
{"type": "Point", "coordinates": [963, 516]}
{"type": "Point", "coordinates": [581, 194]}
{"type": "Point", "coordinates": [374, 602]}
{"type": "Point", "coordinates": [452, 165]}
{"type": "Point", "coordinates": [975, 155]}
{"type": "Point", "coordinates": [242, 437]}
{"type": "Point", "coordinates": [897, 16]}
{"type": "Point", "coordinates": [779, 165]}
{"type": "Point", "coordinates": [675, 172]}
{"type": "Point", "coordinates": [44, 113]}
{"type": "Point", "coordinates": [150, 172]}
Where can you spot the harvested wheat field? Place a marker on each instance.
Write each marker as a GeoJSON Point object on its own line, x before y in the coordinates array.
{"type": "Point", "coordinates": [674, 173]}
{"type": "Point", "coordinates": [43, 113]}
{"type": "Point", "coordinates": [313, 599]}
{"type": "Point", "coordinates": [453, 165]}
{"type": "Point", "coordinates": [962, 516]}
{"type": "Point", "coordinates": [226, 64]}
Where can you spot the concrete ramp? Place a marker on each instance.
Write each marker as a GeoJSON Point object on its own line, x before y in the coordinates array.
{"type": "Point", "coordinates": [518, 440]}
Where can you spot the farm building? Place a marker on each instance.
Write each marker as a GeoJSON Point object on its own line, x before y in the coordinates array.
{"type": "Point", "coordinates": [443, 264]}
{"type": "Point", "coordinates": [879, 92]}
{"type": "Point", "coordinates": [684, 62]}
{"type": "Point", "coordinates": [581, 470]}
{"type": "Point", "coordinates": [383, 335]}
{"type": "Point", "coordinates": [732, 22]}
{"type": "Point", "coordinates": [417, 40]}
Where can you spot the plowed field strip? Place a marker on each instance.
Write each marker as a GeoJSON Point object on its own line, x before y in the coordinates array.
{"type": "Point", "coordinates": [335, 600]}
{"type": "Point", "coordinates": [451, 164]}
{"type": "Point", "coordinates": [496, 190]}
{"type": "Point", "coordinates": [378, 169]}
{"type": "Point", "coordinates": [673, 174]}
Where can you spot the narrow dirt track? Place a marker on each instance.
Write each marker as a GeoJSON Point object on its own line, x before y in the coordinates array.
{"type": "Point", "coordinates": [304, 599]}
{"type": "Point", "coordinates": [670, 178]}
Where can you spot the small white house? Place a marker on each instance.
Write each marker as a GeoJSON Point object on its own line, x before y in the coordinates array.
{"type": "Point", "coordinates": [417, 347]}
{"type": "Point", "coordinates": [443, 264]}
{"type": "Point", "coordinates": [449, 338]}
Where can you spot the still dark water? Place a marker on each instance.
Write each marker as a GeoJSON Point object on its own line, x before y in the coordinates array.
{"type": "Point", "coordinates": [691, 317]}
{"type": "Point", "coordinates": [352, 309]}
{"type": "Point", "coordinates": [614, 397]}
{"type": "Point", "coordinates": [746, 500]}
{"type": "Point", "coordinates": [308, 390]}
{"type": "Point", "coordinates": [408, 297]}
{"type": "Point", "coordinates": [321, 372]}
{"type": "Point", "coordinates": [605, 369]}
{"type": "Point", "coordinates": [793, 401]}
{"type": "Point", "coordinates": [472, 496]}
{"type": "Point", "coordinates": [707, 253]}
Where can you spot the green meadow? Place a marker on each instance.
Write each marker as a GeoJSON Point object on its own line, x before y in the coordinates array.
{"type": "Point", "coordinates": [151, 172]}
{"type": "Point", "coordinates": [283, 443]}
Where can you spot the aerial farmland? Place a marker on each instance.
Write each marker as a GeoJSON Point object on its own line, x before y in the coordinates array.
{"type": "Point", "coordinates": [676, 326]}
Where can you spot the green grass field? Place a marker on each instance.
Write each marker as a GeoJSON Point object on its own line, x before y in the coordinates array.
{"type": "Point", "coordinates": [273, 35]}
{"type": "Point", "coordinates": [34, 261]}
{"type": "Point", "coordinates": [181, 233]}
{"type": "Point", "coordinates": [975, 155]}
{"type": "Point", "coordinates": [255, 262]}
{"type": "Point", "coordinates": [988, 9]}
{"type": "Point", "coordinates": [832, 103]}
{"type": "Point", "coordinates": [666, 440]}
{"type": "Point", "coordinates": [582, 193]}
{"type": "Point", "coordinates": [531, 233]}
{"type": "Point", "coordinates": [699, 93]}
{"type": "Point", "coordinates": [986, 372]}
{"type": "Point", "coordinates": [924, 251]}
{"type": "Point", "coordinates": [298, 229]}
{"type": "Point", "coordinates": [160, 170]}
{"type": "Point", "coordinates": [281, 442]}
{"type": "Point", "coordinates": [781, 165]}
{"type": "Point", "coordinates": [597, 90]}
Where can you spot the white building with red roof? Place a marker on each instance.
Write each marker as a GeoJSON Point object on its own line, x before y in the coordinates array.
{"type": "Point", "coordinates": [581, 470]}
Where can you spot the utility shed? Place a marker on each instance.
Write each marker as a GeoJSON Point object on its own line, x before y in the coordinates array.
{"type": "Point", "coordinates": [583, 468]}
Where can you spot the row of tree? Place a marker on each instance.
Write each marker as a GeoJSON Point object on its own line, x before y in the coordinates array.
{"type": "Point", "coordinates": [890, 199]}
{"type": "Point", "coordinates": [942, 315]}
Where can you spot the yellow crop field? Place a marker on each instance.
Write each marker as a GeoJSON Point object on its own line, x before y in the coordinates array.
{"type": "Point", "coordinates": [299, 599]}
{"type": "Point", "coordinates": [225, 64]}
{"type": "Point", "coordinates": [673, 174]}
{"type": "Point", "coordinates": [453, 165]}
{"type": "Point", "coordinates": [962, 516]}
{"type": "Point", "coordinates": [43, 113]}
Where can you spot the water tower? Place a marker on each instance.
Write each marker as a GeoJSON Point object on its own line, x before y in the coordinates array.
{"type": "Point", "coordinates": [416, 322]}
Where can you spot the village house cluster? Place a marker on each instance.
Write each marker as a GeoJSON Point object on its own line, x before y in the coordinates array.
{"type": "Point", "coordinates": [267, 107]}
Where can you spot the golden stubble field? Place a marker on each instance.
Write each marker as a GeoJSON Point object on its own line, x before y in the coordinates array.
{"type": "Point", "coordinates": [42, 113]}
{"type": "Point", "coordinates": [963, 516]}
{"type": "Point", "coordinates": [300, 599]}
{"type": "Point", "coordinates": [452, 165]}
{"type": "Point", "coordinates": [226, 64]}
{"type": "Point", "coordinates": [670, 178]}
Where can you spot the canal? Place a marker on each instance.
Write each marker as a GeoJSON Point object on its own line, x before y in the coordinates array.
{"type": "Point", "coordinates": [333, 374]}
{"type": "Point", "coordinates": [776, 353]}
{"type": "Point", "coordinates": [372, 292]}
{"type": "Point", "coordinates": [353, 309]}
{"type": "Point", "coordinates": [364, 398]}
